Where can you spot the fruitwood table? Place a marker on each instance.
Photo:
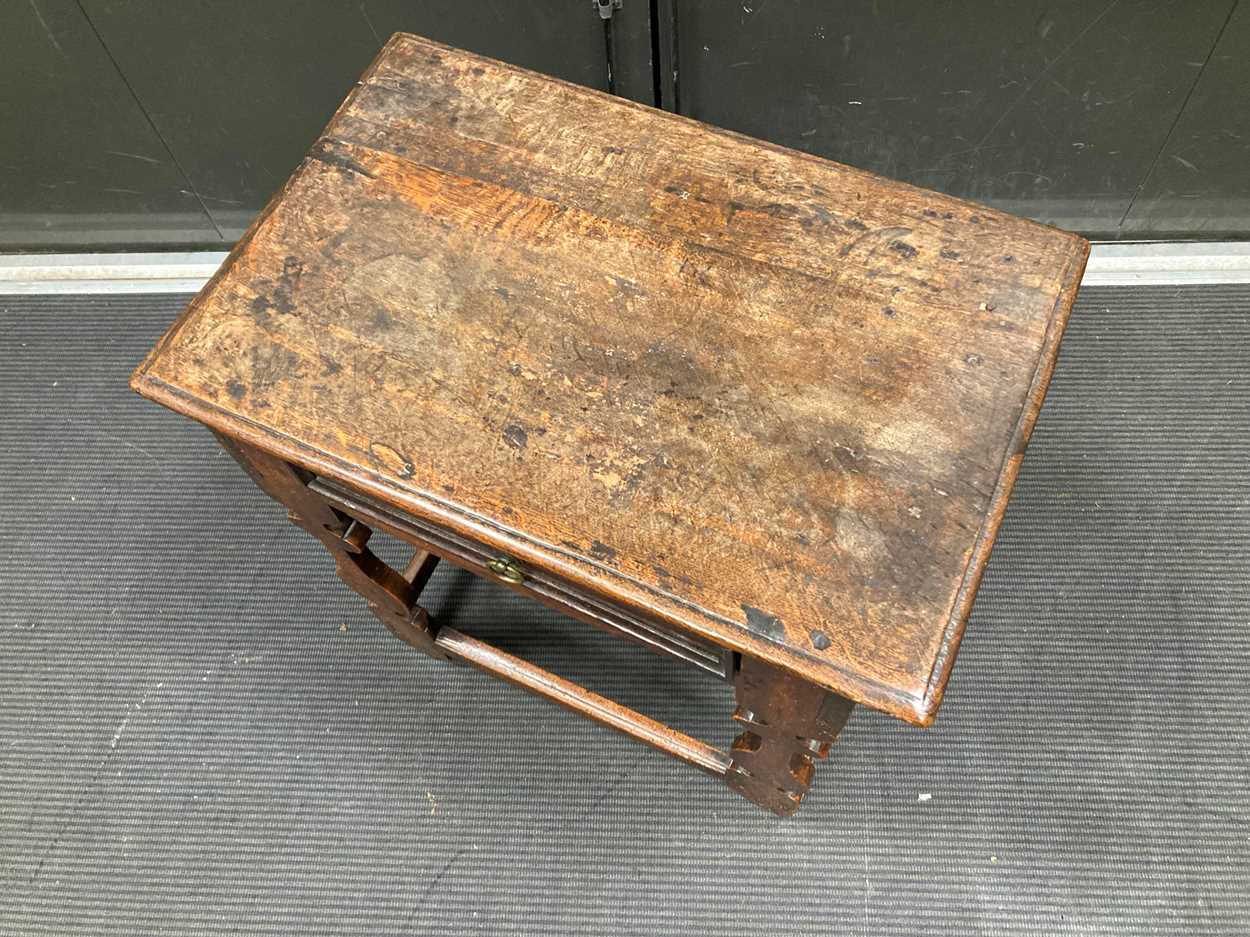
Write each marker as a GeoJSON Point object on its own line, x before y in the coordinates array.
{"type": "Point", "coordinates": [749, 408]}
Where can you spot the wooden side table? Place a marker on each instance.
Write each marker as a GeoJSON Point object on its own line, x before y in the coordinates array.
{"type": "Point", "coordinates": [749, 408]}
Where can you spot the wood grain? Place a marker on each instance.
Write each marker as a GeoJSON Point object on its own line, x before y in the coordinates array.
{"type": "Point", "coordinates": [770, 400]}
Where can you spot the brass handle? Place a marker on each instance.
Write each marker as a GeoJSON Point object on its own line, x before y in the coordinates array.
{"type": "Point", "coordinates": [506, 569]}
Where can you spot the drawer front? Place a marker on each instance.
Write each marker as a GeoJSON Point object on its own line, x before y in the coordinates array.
{"type": "Point", "coordinates": [536, 583]}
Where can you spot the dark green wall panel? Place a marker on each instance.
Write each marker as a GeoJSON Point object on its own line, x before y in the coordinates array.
{"type": "Point", "coordinates": [79, 164]}
{"type": "Point", "coordinates": [239, 89]}
{"type": "Point", "coordinates": [1049, 109]}
{"type": "Point", "coordinates": [151, 121]}
{"type": "Point", "coordinates": [1200, 184]}
{"type": "Point", "coordinates": [631, 42]}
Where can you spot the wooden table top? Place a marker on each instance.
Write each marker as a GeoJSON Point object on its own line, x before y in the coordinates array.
{"type": "Point", "coordinates": [770, 399]}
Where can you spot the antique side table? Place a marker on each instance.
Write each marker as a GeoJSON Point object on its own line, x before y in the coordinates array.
{"type": "Point", "coordinates": [752, 409]}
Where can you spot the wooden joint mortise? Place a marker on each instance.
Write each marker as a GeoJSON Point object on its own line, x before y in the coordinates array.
{"type": "Point", "coordinates": [391, 594]}
{"type": "Point", "coordinates": [788, 725]}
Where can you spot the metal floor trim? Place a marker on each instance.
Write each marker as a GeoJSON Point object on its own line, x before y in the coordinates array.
{"type": "Point", "coordinates": [1143, 263]}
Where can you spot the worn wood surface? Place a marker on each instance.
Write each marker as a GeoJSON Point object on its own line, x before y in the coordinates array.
{"type": "Point", "coordinates": [768, 399]}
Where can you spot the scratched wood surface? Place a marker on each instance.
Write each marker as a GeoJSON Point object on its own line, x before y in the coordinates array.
{"type": "Point", "coordinates": [767, 398]}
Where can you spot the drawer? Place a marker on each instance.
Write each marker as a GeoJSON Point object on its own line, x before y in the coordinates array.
{"type": "Point", "coordinates": [538, 584]}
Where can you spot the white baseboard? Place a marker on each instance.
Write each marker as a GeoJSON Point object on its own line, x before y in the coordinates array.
{"type": "Point", "coordinates": [108, 273]}
{"type": "Point", "coordinates": [1153, 263]}
{"type": "Point", "coordinates": [1168, 263]}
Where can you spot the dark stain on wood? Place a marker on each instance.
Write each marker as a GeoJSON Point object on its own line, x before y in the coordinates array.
{"type": "Point", "coordinates": [515, 436]}
{"type": "Point", "coordinates": [902, 247]}
{"type": "Point", "coordinates": [326, 153]}
{"type": "Point", "coordinates": [764, 624]}
{"type": "Point", "coordinates": [601, 551]}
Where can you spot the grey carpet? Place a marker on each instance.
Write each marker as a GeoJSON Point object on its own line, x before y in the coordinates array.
{"type": "Point", "coordinates": [202, 733]}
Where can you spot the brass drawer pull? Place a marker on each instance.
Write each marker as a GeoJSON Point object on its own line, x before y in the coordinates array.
{"type": "Point", "coordinates": [506, 569]}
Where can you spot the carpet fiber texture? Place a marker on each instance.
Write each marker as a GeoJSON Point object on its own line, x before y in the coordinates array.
{"type": "Point", "coordinates": [202, 732]}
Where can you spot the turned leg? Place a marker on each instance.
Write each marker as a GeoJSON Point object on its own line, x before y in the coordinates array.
{"type": "Point", "coordinates": [392, 595]}
{"type": "Point", "coordinates": [789, 723]}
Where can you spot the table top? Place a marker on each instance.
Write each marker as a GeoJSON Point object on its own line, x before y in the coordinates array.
{"type": "Point", "coordinates": [767, 398]}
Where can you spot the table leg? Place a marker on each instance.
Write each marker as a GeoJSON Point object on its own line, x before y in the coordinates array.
{"type": "Point", "coordinates": [392, 595]}
{"type": "Point", "coordinates": [789, 724]}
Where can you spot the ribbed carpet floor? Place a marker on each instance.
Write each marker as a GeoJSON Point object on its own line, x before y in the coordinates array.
{"type": "Point", "coordinates": [201, 732]}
